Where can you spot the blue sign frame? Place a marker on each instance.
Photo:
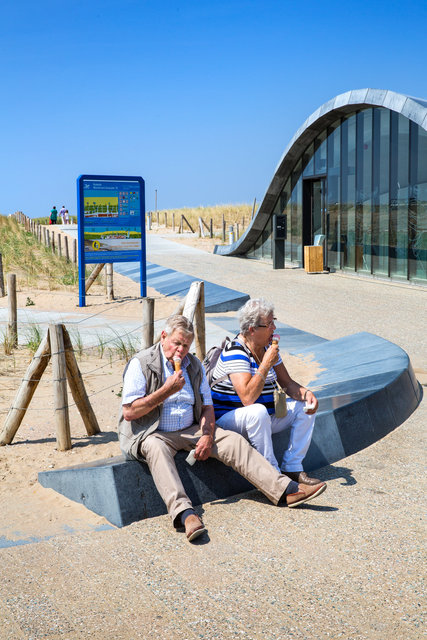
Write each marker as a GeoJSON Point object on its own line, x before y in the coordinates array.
{"type": "Point", "coordinates": [111, 224]}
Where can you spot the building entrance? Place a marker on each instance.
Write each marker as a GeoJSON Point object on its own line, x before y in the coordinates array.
{"type": "Point", "coordinates": [314, 214]}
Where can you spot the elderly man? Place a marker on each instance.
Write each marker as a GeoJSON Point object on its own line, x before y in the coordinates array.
{"type": "Point", "coordinates": [246, 375]}
{"type": "Point", "coordinates": [166, 408]}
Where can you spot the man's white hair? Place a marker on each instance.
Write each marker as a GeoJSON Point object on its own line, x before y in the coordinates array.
{"type": "Point", "coordinates": [179, 323]}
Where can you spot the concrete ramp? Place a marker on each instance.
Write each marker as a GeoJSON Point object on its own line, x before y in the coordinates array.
{"type": "Point", "coordinates": [174, 283]}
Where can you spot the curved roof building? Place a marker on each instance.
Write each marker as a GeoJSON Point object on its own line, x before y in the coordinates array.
{"type": "Point", "coordinates": [353, 179]}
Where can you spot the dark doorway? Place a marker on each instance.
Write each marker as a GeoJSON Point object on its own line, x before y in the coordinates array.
{"type": "Point", "coordinates": [314, 224]}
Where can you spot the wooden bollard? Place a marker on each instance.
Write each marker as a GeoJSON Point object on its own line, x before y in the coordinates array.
{"type": "Point", "coordinates": [2, 290]}
{"type": "Point", "coordinates": [75, 250]}
{"type": "Point", "coordinates": [59, 245]}
{"type": "Point", "coordinates": [53, 242]}
{"type": "Point", "coordinates": [60, 397]}
{"type": "Point", "coordinates": [173, 222]}
{"type": "Point", "coordinates": [12, 326]}
{"type": "Point", "coordinates": [147, 322]}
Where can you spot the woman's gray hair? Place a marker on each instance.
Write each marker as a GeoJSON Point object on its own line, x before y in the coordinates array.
{"type": "Point", "coordinates": [179, 323]}
{"type": "Point", "coordinates": [252, 312]}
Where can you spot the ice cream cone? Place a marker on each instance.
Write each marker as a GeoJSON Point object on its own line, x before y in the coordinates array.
{"type": "Point", "coordinates": [177, 363]}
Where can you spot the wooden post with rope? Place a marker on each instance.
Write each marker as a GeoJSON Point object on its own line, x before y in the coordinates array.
{"type": "Point", "coordinates": [56, 344]}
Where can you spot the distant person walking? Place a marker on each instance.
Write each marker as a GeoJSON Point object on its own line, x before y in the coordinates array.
{"type": "Point", "coordinates": [53, 215]}
{"type": "Point", "coordinates": [66, 217]}
{"type": "Point", "coordinates": [61, 213]}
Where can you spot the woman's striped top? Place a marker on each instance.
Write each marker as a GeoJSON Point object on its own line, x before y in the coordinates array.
{"type": "Point", "coordinates": [237, 358]}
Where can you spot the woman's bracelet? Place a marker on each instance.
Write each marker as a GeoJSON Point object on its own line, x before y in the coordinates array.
{"type": "Point", "coordinates": [258, 373]}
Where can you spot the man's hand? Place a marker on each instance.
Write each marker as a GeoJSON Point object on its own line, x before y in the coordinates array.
{"type": "Point", "coordinates": [203, 448]}
{"type": "Point", "coordinates": [174, 383]}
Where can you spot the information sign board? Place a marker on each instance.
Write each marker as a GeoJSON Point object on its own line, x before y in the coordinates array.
{"type": "Point", "coordinates": [111, 223]}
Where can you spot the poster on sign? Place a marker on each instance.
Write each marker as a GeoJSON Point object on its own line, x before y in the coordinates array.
{"type": "Point", "coordinates": [111, 223]}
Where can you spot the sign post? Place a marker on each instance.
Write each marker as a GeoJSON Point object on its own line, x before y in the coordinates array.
{"type": "Point", "coordinates": [111, 224]}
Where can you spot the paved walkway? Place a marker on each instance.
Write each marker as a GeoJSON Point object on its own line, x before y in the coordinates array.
{"type": "Point", "coordinates": [349, 565]}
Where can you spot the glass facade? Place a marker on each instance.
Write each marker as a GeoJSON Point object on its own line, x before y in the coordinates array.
{"type": "Point", "coordinates": [362, 183]}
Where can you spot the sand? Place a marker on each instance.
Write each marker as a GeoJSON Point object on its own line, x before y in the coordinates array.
{"type": "Point", "coordinates": [29, 510]}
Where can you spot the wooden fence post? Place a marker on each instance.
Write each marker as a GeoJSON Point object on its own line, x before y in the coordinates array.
{"type": "Point", "coordinates": [211, 228]}
{"type": "Point", "coordinates": [67, 253]}
{"type": "Point", "coordinates": [147, 322]}
{"type": "Point", "coordinates": [12, 327]}
{"type": "Point", "coordinates": [53, 242]}
{"type": "Point", "coordinates": [223, 228]}
{"type": "Point", "coordinates": [77, 387]}
{"type": "Point", "coordinates": [166, 218]}
{"type": "Point", "coordinates": [75, 259]}
{"type": "Point", "coordinates": [194, 310]}
{"type": "Point", "coordinates": [95, 273]}
{"type": "Point", "coordinates": [59, 372]}
{"type": "Point", "coordinates": [109, 280]}
{"type": "Point", "coordinates": [199, 324]}
{"type": "Point", "coordinates": [59, 245]}
{"type": "Point", "coordinates": [2, 290]}
{"type": "Point", "coordinates": [173, 223]}
{"type": "Point", "coordinates": [26, 391]}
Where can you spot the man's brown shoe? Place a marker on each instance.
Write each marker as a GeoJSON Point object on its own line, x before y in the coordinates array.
{"type": "Point", "coordinates": [194, 527]}
{"type": "Point", "coordinates": [304, 494]}
{"type": "Point", "coordinates": [301, 477]}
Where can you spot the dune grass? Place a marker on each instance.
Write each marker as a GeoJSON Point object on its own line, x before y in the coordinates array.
{"type": "Point", "coordinates": [34, 263]}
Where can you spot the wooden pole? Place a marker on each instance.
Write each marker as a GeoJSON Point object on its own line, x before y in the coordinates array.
{"type": "Point", "coordinates": [166, 218]}
{"type": "Point", "coordinates": [59, 245]}
{"type": "Point", "coordinates": [191, 300]}
{"type": "Point", "coordinates": [60, 397]}
{"type": "Point", "coordinates": [211, 228]}
{"type": "Point", "coordinates": [95, 273]}
{"type": "Point", "coordinates": [186, 221]}
{"type": "Point", "coordinates": [199, 324]}
{"type": "Point", "coordinates": [173, 222]}
{"type": "Point", "coordinates": [53, 242]}
{"type": "Point", "coordinates": [75, 250]}
{"type": "Point", "coordinates": [109, 278]}
{"type": "Point", "coordinates": [223, 228]}
{"type": "Point", "coordinates": [77, 387]}
{"type": "Point", "coordinates": [26, 391]}
{"type": "Point", "coordinates": [2, 289]}
{"type": "Point", "coordinates": [67, 253]}
{"type": "Point", "coordinates": [147, 322]}
{"type": "Point", "coordinates": [12, 327]}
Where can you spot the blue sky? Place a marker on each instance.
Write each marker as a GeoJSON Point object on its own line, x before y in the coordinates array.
{"type": "Point", "coordinates": [199, 98]}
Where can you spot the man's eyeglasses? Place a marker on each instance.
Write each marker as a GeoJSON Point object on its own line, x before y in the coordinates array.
{"type": "Point", "coordinates": [270, 324]}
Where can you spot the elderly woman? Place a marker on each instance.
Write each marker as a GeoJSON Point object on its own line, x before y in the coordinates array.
{"type": "Point", "coordinates": [248, 371]}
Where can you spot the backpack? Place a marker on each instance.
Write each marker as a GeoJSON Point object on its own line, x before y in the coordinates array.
{"type": "Point", "coordinates": [210, 360]}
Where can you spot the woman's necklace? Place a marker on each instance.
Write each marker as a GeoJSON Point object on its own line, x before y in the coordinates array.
{"type": "Point", "coordinates": [252, 351]}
